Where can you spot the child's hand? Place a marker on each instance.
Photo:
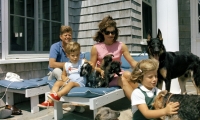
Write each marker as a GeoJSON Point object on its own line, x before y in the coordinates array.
{"type": "Point", "coordinates": [172, 108]}
{"type": "Point", "coordinates": [66, 79]}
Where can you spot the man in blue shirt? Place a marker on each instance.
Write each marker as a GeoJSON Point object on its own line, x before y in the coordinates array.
{"type": "Point", "coordinates": [57, 56]}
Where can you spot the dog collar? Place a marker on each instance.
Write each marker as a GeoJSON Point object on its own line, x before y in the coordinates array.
{"type": "Point", "coordinates": [169, 98]}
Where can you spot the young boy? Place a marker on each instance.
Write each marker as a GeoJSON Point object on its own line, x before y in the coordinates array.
{"type": "Point", "coordinates": [70, 75]}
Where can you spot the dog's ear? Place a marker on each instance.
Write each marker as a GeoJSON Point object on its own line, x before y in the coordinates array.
{"type": "Point", "coordinates": [159, 35]}
{"type": "Point", "coordinates": [110, 55]}
{"type": "Point", "coordinates": [149, 35]}
{"type": "Point", "coordinates": [158, 101]}
{"type": "Point", "coordinates": [163, 93]}
{"type": "Point", "coordinates": [97, 117]}
{"type": "Point", "coordinates": [81, 72]}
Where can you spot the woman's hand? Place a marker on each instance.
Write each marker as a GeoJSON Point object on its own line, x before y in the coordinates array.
{"type": "Point", "coordinates": [172, 108]}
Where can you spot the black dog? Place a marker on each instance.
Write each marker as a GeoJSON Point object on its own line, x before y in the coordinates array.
{"type": "Point", "coordinates": [86, 70]}
{"type": "Point", "coordinates": [106, 61]}
{"type": "Point", "coordinates": [93, 79]}
{"type": "Point", "coordinates": [103, 82]}
{"type": "Point", "coordinates": [173, 64]}
{"type": "Point", "coordinates": [110, 69]}
{"type": "Point", "coordinates": [189, 108]}
{"type": "Point", "coordinates": [113, 68]}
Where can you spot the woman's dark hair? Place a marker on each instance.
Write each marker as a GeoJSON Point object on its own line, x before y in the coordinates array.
{"type": "Point", "coordinates": [106, 22]}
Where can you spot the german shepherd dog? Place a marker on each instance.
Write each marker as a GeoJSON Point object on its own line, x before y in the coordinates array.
{"type": "Point", "coordinates": [189, 105]}
{"type": "Point", "coordinates": [183, 65]}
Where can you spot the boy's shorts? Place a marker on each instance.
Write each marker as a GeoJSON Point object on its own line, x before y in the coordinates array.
{"type": "Point", "coordinates": [78, 79]}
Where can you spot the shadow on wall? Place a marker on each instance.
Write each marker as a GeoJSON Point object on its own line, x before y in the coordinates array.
{"type": "Point", "coordinates": [74, 16]}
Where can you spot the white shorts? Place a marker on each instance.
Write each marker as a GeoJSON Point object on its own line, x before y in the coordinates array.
{"type": "Point", "coordinates": [77, 79]}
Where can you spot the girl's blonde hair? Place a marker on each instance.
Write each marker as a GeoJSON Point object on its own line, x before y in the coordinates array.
{"type": "Point", "coordinates": [142, 68]}
{"type": "Point", "coordinates": [72, 47]}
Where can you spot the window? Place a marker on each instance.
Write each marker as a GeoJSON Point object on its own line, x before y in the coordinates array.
{"type": "Point", "coordinates": [34, 25]}
{"type": "Point", "coordinates": [199, 15]}
{"type": "Point", "coordinates": [146, 18]}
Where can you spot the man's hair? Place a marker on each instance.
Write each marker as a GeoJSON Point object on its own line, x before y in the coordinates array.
{"type": "Point", "coordinates": [72, 47]}
{"type": "Point", "coordinates": [64, 29]}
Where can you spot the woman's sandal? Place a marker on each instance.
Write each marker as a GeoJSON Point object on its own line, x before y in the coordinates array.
{"type": "Point", "coordinates": [15, 110]}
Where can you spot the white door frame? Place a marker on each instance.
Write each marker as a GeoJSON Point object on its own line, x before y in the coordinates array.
{"type": "Point", "coordinates": [195, 35]}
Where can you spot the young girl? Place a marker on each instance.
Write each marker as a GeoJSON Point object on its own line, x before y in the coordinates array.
{"type": "Point", "coordinates": [70, 75]}
{"type": "Point", "coordinates": [142, 97]}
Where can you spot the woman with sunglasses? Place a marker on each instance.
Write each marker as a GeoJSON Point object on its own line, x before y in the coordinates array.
{"type": "Point", "coordinates": [106, 38]}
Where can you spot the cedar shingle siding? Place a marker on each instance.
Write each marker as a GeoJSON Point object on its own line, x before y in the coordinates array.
{"type": "Point", "coordinates": [84, 17]}
{"type": "Point", "coordinates": [0, 34]}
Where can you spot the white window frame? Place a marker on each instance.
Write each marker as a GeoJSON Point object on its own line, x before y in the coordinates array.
{"type": "Point", "coordinates": [195, 35]}
{"type": "Point", "coordinates": [12, 58]}
{"type": "Point", "coordinates": [154, 17]}
{"type": "Point", "coordinates": [194, 18]}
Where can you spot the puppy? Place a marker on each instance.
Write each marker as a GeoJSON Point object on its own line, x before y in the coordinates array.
{"type": "Point", "coordinates": [105, 113]}
{"type": "Point", "coordinates": [93, 79]}
{"type": "Point", "coordinates": [113, 68]}
{"type": "Point", "coordinates": [86, 70]}
{"type": "Point", "coordinates": [106, 61]}
{"type": "Point", "coordinates": [104, 82]}
{"type": "Point", "coordinates": [189, 108]}
{"type": "Point", "coordinates": [101, 81]}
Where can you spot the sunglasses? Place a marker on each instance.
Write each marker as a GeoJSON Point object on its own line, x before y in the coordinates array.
{"type": "Point", "coordinates": [110, 32]}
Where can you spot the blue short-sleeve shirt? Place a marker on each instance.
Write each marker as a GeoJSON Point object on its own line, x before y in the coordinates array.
{"type": "Point", "coordinates": [59, 54]}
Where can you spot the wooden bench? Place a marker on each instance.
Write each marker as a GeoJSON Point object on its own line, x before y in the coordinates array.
{"type": "Point", "coordinates": [32, 93]}
{"type": "Point", "coordinates": [93, 103]}
{"type": "Point", "coordinates": [96, 102]}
